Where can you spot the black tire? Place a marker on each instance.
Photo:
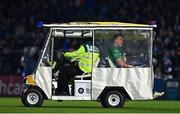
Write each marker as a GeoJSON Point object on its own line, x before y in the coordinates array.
{"type": "Point", "coordinates": [30, 95]}
{"type": "Point", "coordinates": [112, 99]}
{"type": "Point", "coordinates": [22, 98]}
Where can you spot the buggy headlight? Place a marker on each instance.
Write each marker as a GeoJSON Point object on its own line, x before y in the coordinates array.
{"type": "Point", "coordinates": [30, 80]}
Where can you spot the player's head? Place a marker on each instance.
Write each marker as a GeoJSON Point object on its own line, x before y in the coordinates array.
{"type": "Point", "coordinates": [118, 40]}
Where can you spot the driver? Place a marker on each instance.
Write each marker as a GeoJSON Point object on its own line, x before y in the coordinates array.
{"type": "Point", "coordinates": [83, 57]}
{"type": "Point", "coordinates": [116, 53]}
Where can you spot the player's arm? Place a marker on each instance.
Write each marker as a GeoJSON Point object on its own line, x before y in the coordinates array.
{"type": "Point", "coordinates": [122, 63]}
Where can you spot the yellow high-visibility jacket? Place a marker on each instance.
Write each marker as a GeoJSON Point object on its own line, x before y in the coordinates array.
{"type": "Point", "coordinates": [85, 57]}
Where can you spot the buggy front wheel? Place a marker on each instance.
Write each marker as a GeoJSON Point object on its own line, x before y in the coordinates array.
{"type": "Point", "coordinates": [32, 98]}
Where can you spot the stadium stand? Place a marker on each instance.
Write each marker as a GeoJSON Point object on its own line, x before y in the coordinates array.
{"type": "Point", "coordinates": [19, 33]}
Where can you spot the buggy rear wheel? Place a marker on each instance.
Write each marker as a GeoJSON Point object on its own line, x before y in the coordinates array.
{"type": "Point", "coordinates": [112, 99]}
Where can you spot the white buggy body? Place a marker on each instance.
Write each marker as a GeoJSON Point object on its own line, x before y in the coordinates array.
{"type": "Point", "coordinates": [107, 83]}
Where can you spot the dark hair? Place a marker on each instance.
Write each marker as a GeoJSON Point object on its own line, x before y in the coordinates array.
{"type": "Point", "coordinates": [116, 35]}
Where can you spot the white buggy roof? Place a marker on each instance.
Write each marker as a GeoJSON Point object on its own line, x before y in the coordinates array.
{"type": "Point", "coordinates": [98, 24]}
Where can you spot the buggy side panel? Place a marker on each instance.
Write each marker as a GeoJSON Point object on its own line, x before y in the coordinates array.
{"type": "Point", "coordinates": [43, 80]}
{"type": "Point", "coordinates": [136, 81]}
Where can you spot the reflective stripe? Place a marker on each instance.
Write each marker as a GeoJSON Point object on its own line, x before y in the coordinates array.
{"type": "Point", "coordinates": [90, 48]}
{"type": "Point", "coordinates": [85, 64]}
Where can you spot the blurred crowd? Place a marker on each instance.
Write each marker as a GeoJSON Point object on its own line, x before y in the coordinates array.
{"type": "Point", "coordinates": [20, 38]}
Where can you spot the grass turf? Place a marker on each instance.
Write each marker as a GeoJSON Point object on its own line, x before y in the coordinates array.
{"type": "Point", "coordinates": [14, 105]}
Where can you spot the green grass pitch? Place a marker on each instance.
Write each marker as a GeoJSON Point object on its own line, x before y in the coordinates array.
{"type": "Point", "coordinates": [14, 105]}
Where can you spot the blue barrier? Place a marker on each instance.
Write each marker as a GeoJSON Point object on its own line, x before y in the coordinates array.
{"type": "Point", "coordinates": [172, 90]}
{"type": "Point", "coordinates": [159, 85]}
